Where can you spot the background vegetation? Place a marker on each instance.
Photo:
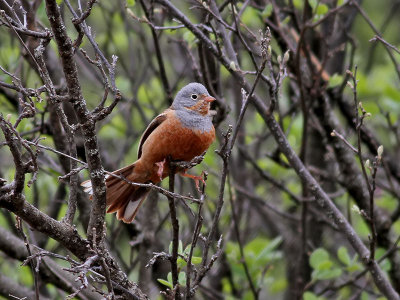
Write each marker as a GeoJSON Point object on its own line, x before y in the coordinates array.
{"type": "Point", "coordinates": [302, 197]}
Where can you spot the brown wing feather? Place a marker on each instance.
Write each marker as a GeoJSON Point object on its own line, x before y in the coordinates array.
{"type": "Point", "coordinates": [150, 128]}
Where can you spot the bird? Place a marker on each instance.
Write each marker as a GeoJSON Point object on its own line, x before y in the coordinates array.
{"type": "Point", "coordinates": [182, 132]}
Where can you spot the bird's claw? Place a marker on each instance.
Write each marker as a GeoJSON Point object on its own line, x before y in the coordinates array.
{"type": "Point", "coordinates": [196, 179]}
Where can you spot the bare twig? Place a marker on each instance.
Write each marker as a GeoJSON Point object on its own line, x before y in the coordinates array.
{"type": "Point", "coordinates": [255, 291]}
{"type": "Point", "coordinates": [35, 270]}
{"type": "Point", "coordinates": [352, 148]}
{"type": "Point", "coordinates": [380, 39]}
{"type": "Point", "coordinates": [371, 187]}
{"type": "Point", "coordinates": [195, 237]}
{"type": "Point", "coordinates": [175, 232]}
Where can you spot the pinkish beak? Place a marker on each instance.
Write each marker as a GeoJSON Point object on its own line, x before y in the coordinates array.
{"type": "Point", "coordinates": [208, 99]}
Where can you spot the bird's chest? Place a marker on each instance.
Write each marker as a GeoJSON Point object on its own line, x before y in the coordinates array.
{"type": "Point", "coordinates": [190, 143]}
{"type": "Point", "coordinates": [189, 136]}
{"type": "Point", "coordinates": [173, 139]}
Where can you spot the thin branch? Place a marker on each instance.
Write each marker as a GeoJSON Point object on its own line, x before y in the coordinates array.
{"type": "Point", "coordinates": [380, 39]}
{"type": "Point", "coordinates": [195, 237]}
{"type": "Point", "coordinates": [35, 270]}
{"type": "Point", "coordinates": [255, 291]}
{"type": "Point", "coordinates": [175, 232]}
{"type": "Point", "coordinates": [341, 137]}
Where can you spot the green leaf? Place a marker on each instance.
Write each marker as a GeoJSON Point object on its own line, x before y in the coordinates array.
{"type": "Point", "coordinates": [189, 37]}
{"type": "Point", "coordinates": [180, 247]}
{"type": "Point", "coordinates": [335, 80]}
{"type": "Point", "coordinates": [385, 264]}
{"type": "Point", "coordinates": [130, 2]}
{"type": "Point", "coordinates": [313, 3]}
{"type": "Point", "coordinates": [26, 276]}
{"type": "Point", "coordinates": [187, 249]}
{"type": "Point", "coordinates": [278, 285]}
{"type": "Point", "coordinates": [354, 265]}
{"type": "Point", "coordinates": [325, 265]}
{"type": "Point", "coordinates": [169, 278]}
{"type": "Point", "coordinates": [164, 282]}
{"type": "Point", "coordinates": [309, 296]}
{"type": "Point", "coordinates": [170, 248]}
{"type": "Point", "coordinates": [298, 4]}
{"type": "Point", "coordinates": [196, 260]}
{"type": "Point", "coordinates": [286, 20]}
{"type": "Point", "coordinates": [326, 274]}
{"type": "Point", "coordinates": [261, 251]}
{"type": "Point", "coordinates": [266, 13]}
{"type": "Point", "coordinates": [364, 296]}
{"type": "Point", "coordinates": [181, 262]}
{"type": "Point", "coordinates": [182, 278]}
{"type": "Point", "coordinates": [272, 245]}
{"type": "Point", "coordinates": [318, 256]}
{"type": "Point", "coordinates": [344, 256]}
{"type": "Point", "coordinates": [321, 10]}
{"type": "Point", "coordinates": [122, 82]}
{"type": "Point", "coordinates": [250, 17]}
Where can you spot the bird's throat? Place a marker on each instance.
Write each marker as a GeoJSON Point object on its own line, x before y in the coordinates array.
{"type": "Point", "coordinates": [194, 120]}
{"type": "Point", "coordinates": [201, 107]}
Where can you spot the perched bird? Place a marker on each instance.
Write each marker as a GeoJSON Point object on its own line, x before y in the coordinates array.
{"type": "Point", "coordinates": [181, 132]}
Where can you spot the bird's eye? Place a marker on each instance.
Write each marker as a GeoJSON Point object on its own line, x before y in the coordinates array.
{"type": "Point", "coordinates": [194, 96]}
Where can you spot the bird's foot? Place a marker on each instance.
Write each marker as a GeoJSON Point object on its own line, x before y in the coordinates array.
{"type": "Point", "coordinates": [161, 166]}
{"type": "Point", "coordinates": [196, 179]}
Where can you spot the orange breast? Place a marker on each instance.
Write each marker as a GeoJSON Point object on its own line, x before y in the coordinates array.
{"type": "Point", "coordinates": [170, 138]}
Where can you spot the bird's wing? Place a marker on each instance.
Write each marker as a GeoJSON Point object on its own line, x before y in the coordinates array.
{"type": "Point", "coordinates": [152, 126]}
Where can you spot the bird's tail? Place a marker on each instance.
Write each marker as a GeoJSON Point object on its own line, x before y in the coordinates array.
{"type": "Point", "coordinates": [123, 197]}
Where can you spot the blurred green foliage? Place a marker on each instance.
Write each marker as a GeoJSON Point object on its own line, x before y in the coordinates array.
{"type": "Point", "coordinates": [378, 90]}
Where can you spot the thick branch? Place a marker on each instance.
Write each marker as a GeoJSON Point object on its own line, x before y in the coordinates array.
{"type": "Point", "coordinates": [66, 51]}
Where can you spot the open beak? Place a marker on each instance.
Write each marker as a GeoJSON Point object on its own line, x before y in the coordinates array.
{"type": "Point", "coordinates": [208, 99]}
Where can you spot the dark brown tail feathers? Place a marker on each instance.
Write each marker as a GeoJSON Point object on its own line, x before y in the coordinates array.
{"type": "Point", "coordinates": [122, 197]}
{"type": "Point", "coordinates": [128, 210]}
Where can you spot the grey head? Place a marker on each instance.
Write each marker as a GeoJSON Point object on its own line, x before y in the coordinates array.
{"type": "Point", "coordinates": [189, 95]}
{"type": "Point", "coordinates": [192, 104]}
